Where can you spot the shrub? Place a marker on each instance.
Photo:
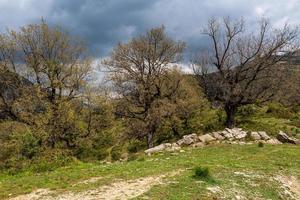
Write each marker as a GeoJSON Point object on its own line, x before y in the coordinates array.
{"type": "Point", "coordinates": [201, 173]}
{"type": "Point", "coordinates": [116, 153]}
{"type": "Point", "coordinates": [247, 110]}
{"type": "Point", "coordinates": [278, 110]}
{"type": "Point", "coordinates": [260, 144]}
{"type": "Point", "coordinates": [135, 146]}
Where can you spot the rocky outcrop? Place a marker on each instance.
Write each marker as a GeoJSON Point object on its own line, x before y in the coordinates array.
{"type": "Point", "coordinates": [163, 147]}
{"type": "Point", "coordinates": [230, 136]}
{"type": "Point", "coordinates": [207, 138]}
{"type": "Point", "coordinates": [284, 138]}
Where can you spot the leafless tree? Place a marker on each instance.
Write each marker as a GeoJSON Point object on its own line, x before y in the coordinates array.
{"type": "Point", "coordinates": [139, 70]}
{"type": "Point", "coordinates": [242, 67]}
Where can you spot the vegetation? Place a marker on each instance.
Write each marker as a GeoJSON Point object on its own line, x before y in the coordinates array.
{"type": "Point", "coordinates": [55, 122]}
{"type": "Point", "coordinates": [227, 164]}
{"type": "Point", "coordinates": [247, 65]}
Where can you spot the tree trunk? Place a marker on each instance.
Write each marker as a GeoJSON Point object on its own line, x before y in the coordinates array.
{"type": "Point", "coordinates": [230, 115]}
{"type": "Point", "coordinates": [150, 140]}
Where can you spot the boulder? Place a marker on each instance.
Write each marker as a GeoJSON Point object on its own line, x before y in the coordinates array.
{"type": "Point", "coordinates": [188, 139]}
{"type": "Point", "coordinates": [192, 136]}
{"type": "Point", "coordinates": [155, 149]}
{"type": "Point", "coordinates": [241, 135]}
{"type": "Point", "coordinates": [273, 141]}
{"type": "Point", "coordinates": [217, 135]}
{"type": "Point", "coordinates": [227, 135]}
{"type": "Point", "coordinates": [206, 138]}
{"type": "Point", "coordinates": [264, 135]}
{"type": "Point", "coordinates": [284, 138]}
{"type": "Point", "coordinates": [255, 136]}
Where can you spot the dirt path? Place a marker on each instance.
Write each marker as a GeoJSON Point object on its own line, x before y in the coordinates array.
{"type": "Point", "coordinates": [291, 186]}
{"type": "Point", "coordinates": [118, 190]}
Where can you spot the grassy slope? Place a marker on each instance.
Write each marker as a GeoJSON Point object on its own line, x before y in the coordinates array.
{"type": "Point", "coordinates": [222, 160]}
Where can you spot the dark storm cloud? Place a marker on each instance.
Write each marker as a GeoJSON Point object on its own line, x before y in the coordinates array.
{"type": "Point", "coordinates": [103, 23]}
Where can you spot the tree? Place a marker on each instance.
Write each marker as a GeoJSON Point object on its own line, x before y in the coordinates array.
{"type": "Point", "coordinates": [242, 68]}
{"type": "Point", "coordinates": [138, 71]}
{"type": "Point", "coordinates": [58, 67]}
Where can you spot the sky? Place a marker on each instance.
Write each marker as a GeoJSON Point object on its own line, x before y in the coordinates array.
{"type": "Point", "coordinates": [104, 23]}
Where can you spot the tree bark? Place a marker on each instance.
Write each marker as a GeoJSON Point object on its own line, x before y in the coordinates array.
{"type": "Point", "coordinates": [150, 140]}
{"type": "Point", "coordinates": [230, 115]}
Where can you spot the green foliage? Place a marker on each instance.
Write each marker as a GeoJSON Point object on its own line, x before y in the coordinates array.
{"type": "Point", "coordinates": [50, 160]}
{"type": "Point", "coordinates": [278, 110]}
{"type": "Point", "coordinates": [203, 173]}
{"type": "Point", "coordinates": [135, 146]}
{"type": "Point", "coordinates": [260, 144]}
{"type": "Point", "coordinates": [247, 110]}
{"type": "Point", "coordinates": [116, 153]}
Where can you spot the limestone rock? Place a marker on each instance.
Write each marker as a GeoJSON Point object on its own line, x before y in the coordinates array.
{"type": "Point", "coordinates": [206, 138]}
{"type": "Point", "coordinates": [284, 138]}
{"type": "Point", "coordinates": [264, 135]}
{"type": "Point", "coordinates": [241, 135]}
{"type": "Point", "coordinates": [255, 136]}
{"type": "Point", "coordinates": [273, 141]}
{"type": "Point", "coordinates": [155, 149]}
{"type": "Point", "coordinates": [217, 135]}
{"type": "Point", "coordinates": [227, 135]}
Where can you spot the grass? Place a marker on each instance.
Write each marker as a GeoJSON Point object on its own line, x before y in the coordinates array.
{"type": "Point", "coordinates": [223, 161]}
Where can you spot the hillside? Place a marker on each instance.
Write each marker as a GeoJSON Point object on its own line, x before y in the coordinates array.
{"type": "Point", "coordinates": [237, 172]}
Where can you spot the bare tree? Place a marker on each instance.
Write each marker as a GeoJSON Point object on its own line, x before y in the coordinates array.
{"type": "Point", "coordinates": [56, 67]}
{"type": "Point", "coordinates": [56, 61]}
{"type": "Point", "coordinates": [139, 70]}
{"type": "Point", "coordinates": [242, 68]}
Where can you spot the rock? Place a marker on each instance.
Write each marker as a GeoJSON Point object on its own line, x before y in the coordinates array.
{"type": "Point", "coordinates": [175, 145]}
{"type": "Point", "coordinates": [264, 135]}
{"type": "Point", "coordinates": [206, 138]}
{"type": "Point", "coordinates": [273, 141]}
{"type": "Point", "coordinates": [155, 149]}
{"type": "Point", "coordinates": [227, 135]}
{"type": "Point", "coordinates": [234, 133]}
{"type": "Point", "coordinates": [168, 145]}
{"type": "Point", "coordinates": [188, 139]}
{"type": "Point", "coordinates": [255, 136]}
{"type": "Point", "coordinates": [284, 138]}
{"type": "Point", "coordinates": [241, 135]}
{"type": "Point", "coordinates": [217, 135]}
{"type": "Point", "coordinates": [172, 147]}
{"type": "Point", "coordinates": [185, 141]}
{"type": "Point", "coordinates": [198, 144]}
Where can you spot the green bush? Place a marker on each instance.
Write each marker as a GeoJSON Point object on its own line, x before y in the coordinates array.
{"type": "Point", "coordinates": [51, 159]}
{"type": "Point", "coordinates": [201, 173]}
{"type": "Point", "coordinates": [247, 110]}
{"type": "Point", "coordinates": [135, 146]}
{"type": "Point", "coordinates": [278, 110]}
{"type": "Point", "coordinates": [116, 153]}
{"type": "Point", "coordinates": [260, 144]}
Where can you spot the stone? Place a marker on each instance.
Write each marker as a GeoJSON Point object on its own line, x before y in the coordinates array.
{"type": "Point", "coordinates": [207, 138]}
{"type": "Point", "coordinates": [284, 138]}
{"type": "Point", "coordinates": [185, 141]}
{"type": "Point", "coordinates": [273, 141]}
{"type": "Point", "coordinates": [227, 135]}
{"type": "Point", "coordinates": [198, 144]}
{"type": "Point", "coordinates": [155, 149]}
{"type": "Point", "coordinates": [241, 135]}
{"type": "Point", "coordinates": [217, 135]}
{"type": "Point", "coordinates": [255, 136]}
{"type": "Point", "coordinates": [168, 145]}
{"type": "Point", "coordinates": [264, 135]}
{"type": "Point", "coordinates": [188, 139]}
{"type": "Point", "coordinates": [175, 145]}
